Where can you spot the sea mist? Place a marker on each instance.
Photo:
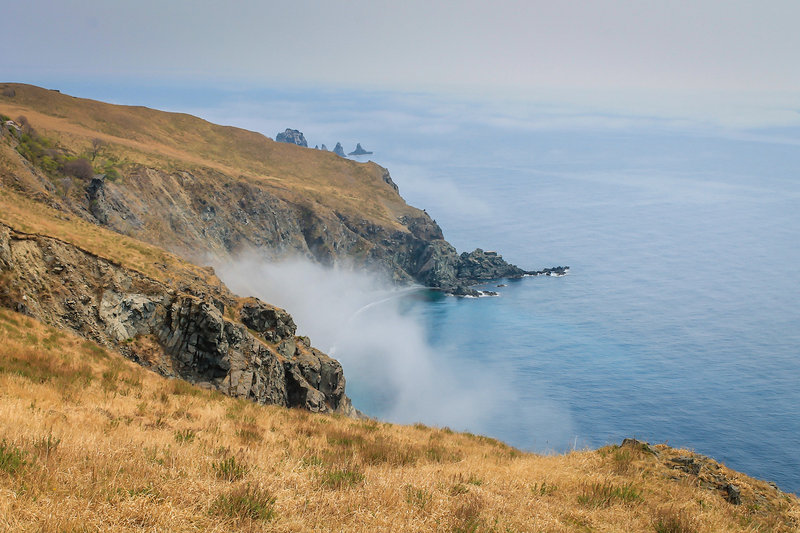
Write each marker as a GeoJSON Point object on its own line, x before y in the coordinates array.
{"type": "Point", "coordinates": [393, 371]}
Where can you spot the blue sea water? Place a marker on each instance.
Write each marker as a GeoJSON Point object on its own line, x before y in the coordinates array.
{"type": "Point", "coordinates": [679, 321]}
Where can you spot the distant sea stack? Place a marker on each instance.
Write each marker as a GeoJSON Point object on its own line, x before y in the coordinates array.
{"type": "Point", "coordinates": [359, 151]}
{"type": "Point", "coordinates": [292, 137]}
{"type": "Point", "coordinates": [338, 150]}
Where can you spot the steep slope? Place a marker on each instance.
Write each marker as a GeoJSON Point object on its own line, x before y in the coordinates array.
{"type": "Point", "coordinates": [179, 321]}
{"type": "Point", "coordinates": [91, 442]}
{"type": "Point", "coordinates": [202, 190]}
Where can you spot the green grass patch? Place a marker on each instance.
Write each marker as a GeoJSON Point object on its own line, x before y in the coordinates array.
{"type": "Point", "coordinates": [39, 366]}
{"type": "Point", "coordinates": [12, 459]}
{"type": "Point", "coordinates": [184, 436]}
{"type": "Point", "coordinates": [249, 434]}
{"type": "Point", "coordinates": [606, 494]}
{"type": "Point", "coordinates": [46, 445]}
{"type": "Point", "coordinates": [230, 469]}
{"type": "Point", "coordinates": [246, 502]}
{"type": "Point", "coordinates": [97, 353]}
{"type": "Point", "coordinates": [418, 497]}
{"type": "Point", "coordinates": [343, 477]}
{"type": "Point", "coordinates": [179, 387]}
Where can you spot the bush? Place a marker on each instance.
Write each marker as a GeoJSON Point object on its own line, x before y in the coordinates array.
{"type": "Point", "coordinates": [79, 168]}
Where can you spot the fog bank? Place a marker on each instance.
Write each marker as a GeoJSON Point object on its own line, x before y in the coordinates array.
{"type": "Point", "coordinates": [393, 372]}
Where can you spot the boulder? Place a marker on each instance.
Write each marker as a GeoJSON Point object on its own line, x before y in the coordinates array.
{"type": "Point", "coordinates": [272, 323]}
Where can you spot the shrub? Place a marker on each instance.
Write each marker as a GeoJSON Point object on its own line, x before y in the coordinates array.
{"type": "Point", "coordinates": [79, 168]}
{"type": "Point", "coordinates": [23, 123]}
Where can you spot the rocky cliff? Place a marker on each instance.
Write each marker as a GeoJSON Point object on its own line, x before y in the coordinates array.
{"type": "Point", "coordinates": [194, 331]}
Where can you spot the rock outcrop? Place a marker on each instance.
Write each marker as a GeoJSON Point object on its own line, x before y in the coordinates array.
{"type": "Point", "coordinates": [197, 332]}
{"type": "Point", "coordinates": [338, 150]}
{"type": "Point", "coordinates": [694, 469]}
{"type": "Point", "coordinates": [290, 136]}
{"type": "Point", "coordinates": [359, 151]}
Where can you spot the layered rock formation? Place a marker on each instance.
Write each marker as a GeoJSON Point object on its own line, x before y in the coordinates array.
{"type": "Point", "coordinates": [197, 332]}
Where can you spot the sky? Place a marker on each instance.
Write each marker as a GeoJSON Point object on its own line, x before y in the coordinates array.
{"type": "Point", "coordinates": [616, 53]}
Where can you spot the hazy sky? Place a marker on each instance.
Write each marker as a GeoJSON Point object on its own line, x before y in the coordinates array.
{"type": "Point", "coordinates": [617, 52]}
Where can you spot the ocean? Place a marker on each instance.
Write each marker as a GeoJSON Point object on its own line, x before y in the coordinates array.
{"type": "Point", "coordinates": [679, 319]}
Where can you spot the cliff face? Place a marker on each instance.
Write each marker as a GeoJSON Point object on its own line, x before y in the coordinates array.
{"type": "Point", "coordinates": [205, 218]}
{"type": "Point", "coordinates": [200, 333]}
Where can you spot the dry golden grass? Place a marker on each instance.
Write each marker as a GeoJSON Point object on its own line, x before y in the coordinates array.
{"type": "Point", "coordinates": [92, 442]}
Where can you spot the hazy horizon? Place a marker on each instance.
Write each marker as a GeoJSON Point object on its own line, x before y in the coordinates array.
{"type": "Point", "coordinates": [725, 64]}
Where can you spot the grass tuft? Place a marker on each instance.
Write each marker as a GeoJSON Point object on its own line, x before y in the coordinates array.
{"type": "Point", "coordinates": [246, 502]}
{"type": "Point", "coordinates": [230, 469]}
{"type": "Point", "coordinates": [12, 459]}
{"type": "Point", "coordinates": [184, 436]}
{"type": "Point", "coordinates": [605, 494]}
{"type": "Point", "coordinates": [672, 520]}
{"type": "Point", "coordinates": [343, 477]}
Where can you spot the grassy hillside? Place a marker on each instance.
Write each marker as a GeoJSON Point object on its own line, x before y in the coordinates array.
{"type": "Point", "coordinates": [91, 442]}
{"type": "Point", "coordinates": [172, 140]}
